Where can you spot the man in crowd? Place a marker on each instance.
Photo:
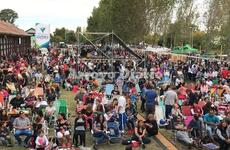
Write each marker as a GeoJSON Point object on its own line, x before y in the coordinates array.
{"type": "Point", "coordinates": [17, 101]}
{"type": "Point", "coordinates": [211, 120]}
{"type": "Point", "coordinates": [150, 96]}
{"type": "Point", "coordinates": [121, 111]}
{"type": "Point", "coordinates": [170, 98]}
{"type": "Point", "coordinates": [22, 127]}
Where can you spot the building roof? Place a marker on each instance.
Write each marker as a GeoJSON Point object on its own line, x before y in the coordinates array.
{"type": "Point", "coordinates": [30, 31]}
{"type": "Point", "coordinates": [8, 28]}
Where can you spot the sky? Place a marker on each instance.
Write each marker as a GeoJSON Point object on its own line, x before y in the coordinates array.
{"type": "Point", "coordinates": [58, 13]}
{"type": "Point", "coordinates": [62, 13]}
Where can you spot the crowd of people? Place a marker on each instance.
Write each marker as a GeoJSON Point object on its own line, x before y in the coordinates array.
{"type": "Point", "coordinates": [190, 97]}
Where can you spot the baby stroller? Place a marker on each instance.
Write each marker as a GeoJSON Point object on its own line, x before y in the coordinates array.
{"type": "Point", "coordinates": [113, 132]}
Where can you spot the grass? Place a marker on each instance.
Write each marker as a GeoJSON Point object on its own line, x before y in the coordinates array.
{"type": "Point", "coordinates": [69, 97]}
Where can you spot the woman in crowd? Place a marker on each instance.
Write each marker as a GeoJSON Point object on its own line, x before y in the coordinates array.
{"type": "Point", "coordinates": [223, 137]}
{"type": "Point", "coordinates": [151, 125]}
{"type": "Point", "coordinates": [79, 129]}
{"type": "Point", "coordinates": [139, 133]}
{"type": "Point", "coordinates": [100, 127]}
{"type": "Point", "coordinates": [38, 125]}
{"type": "Point", "coordinates": [63, 131]}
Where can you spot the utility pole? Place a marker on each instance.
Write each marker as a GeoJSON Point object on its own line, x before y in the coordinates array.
{"type": "Point", "coordinates": [171, 42]}
{"type": "Point", "coordinates": [191, 41]}
{"type": "Point", "coordinates": [221, 51]}
{"type": "Point", "coordinates": [78, 49]}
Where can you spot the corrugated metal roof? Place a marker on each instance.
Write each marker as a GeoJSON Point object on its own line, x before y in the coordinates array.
{"type": "Point", "coordinates": [8, 28]}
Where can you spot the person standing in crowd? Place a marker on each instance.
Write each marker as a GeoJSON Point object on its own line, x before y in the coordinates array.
{"type": "Point", "coordinates": [79, 130]}
{"type": "Point", "coordinates": [150, 96]}
{"type": "Point", "coordinates": [170, 98]}
{"type": "Point", "coordinates": [121, 111]}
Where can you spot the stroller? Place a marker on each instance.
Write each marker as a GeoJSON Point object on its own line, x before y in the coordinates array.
{"type": "Point", "coordinates": [113, 132]}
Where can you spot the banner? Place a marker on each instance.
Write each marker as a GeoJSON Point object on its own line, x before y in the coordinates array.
{"type": "Point", "coordinates": [42, 35]}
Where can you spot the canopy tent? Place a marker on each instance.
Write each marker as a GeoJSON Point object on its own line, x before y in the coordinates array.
{"type": "Point", "coordinates": [184, 50]}
{"type": "Point", "coordinates": [157, 49]}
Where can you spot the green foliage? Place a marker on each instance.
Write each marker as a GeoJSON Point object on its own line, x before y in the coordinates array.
{"type": "Point", "coordinates": [8, 15]}
{"type": "Point", "coordinates": [71, 37]}
{"type": "Point", "coordinates": [60, 35]}
{"type": "Point", "coordinates": [152, 39]}
{"type": "Point", "coordinates": [126, 18]}
{"type": "Point", "coordinates": [64, 35]}
{"type": "Point", "coordinates": [175, 22]}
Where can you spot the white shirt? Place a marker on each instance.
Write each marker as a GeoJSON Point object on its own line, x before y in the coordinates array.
{"type": "Point", "coordinates": [42, 139]}
{"type": "Point", "coordinates": [209, 83]}
{"type": "Point", "coordinates": [214, 73]}
{"type": "Point", "coordinates": [227, 97]}
{"type": "Point", "coordinates": [50, 110]}
{"type": "Point", "coordinates": [121, 104]}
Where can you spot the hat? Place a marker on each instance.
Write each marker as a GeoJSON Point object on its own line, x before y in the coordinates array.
{"type": "Point", "coordinates": [21, 112]}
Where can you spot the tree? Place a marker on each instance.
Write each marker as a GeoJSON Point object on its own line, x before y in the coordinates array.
{"type": "Point", "coordinates": [8, 15]}
{"type": "Point", "coordinates": [126, 18]}
{"type": "Point", "coordinates": [71, 37]}
{"type": "Point", "coordinates": [218, 24]}
{"type": "Point", "coordinates": [78, 29]}
{"type": "Point", "coordinates": [59, 35]}
{"type": "Point", "coordinates": [198, 39]}
{"type": "Point", "coordinates": [56, 38]}
{"type": "Point", "coordinates": [159, 14]}
{"type": "Point", "coordinates": [152, 39]}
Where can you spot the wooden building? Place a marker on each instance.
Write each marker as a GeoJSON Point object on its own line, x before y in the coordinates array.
{"type": "Point", "coordinates": [13, 40]}
{"type": "Point", "coordinates": [31, 32]}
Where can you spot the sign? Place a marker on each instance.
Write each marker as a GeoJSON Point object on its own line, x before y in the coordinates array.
{"type": "Point", "coordinates": [42, 35]}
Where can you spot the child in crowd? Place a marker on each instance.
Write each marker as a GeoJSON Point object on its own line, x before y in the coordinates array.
{"type": "Point", "coordinates": [41, 141]}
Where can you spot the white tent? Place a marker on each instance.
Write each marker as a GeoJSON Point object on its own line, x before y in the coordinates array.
{"type": "Point", "coordinates": [157, 49]}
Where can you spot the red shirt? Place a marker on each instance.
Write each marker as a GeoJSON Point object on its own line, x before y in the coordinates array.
{"type": "Point", "coordinates": [225, 73]}
{"type": "Point", "coordinates": [197, 110]}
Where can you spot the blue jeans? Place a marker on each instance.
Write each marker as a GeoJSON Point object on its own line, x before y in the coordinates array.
{"type": "Point", "coordinates": [101, 135]}
{"type": "Point", "coordinates": [210, 131]}
{"type": "Point", "coordinates": [25, 132]}
{"type": "Point", "coordinates": [122, 121]}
